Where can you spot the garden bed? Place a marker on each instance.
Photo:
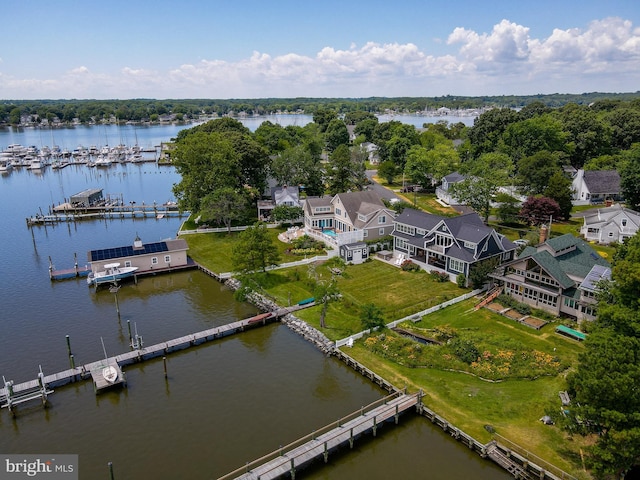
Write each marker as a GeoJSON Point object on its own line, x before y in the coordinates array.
{"type": "Point", "coordinates": [534, 322]}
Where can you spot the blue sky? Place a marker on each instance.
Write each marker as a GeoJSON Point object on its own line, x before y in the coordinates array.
{"type": "Point", "coordinates": [255, 49]}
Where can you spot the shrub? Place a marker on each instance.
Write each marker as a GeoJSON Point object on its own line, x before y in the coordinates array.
{"type": "Point", "coordinates": [409, 266]}
{"type": "Point", "coordinates": [461, 280]}
{"type": "Point", "coordinates": [464, 350]}
{"type": "Point", "coordinates": [439, 276]}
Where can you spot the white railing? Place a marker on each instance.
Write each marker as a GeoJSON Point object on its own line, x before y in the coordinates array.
{"type": "Point", "coordinates": [222, 229]}
{"type": "Point", "coordinates": [416, 317]}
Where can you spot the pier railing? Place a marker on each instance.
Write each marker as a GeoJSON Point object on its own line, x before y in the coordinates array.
{"type": "Point", "coordinates": [283, 450]}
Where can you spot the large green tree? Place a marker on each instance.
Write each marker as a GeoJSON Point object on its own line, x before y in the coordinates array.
{"type": "Point", "coordinates": [559, 189]}
{"type": "Point", "coordinates": [606, 383]}
{"type": "Point", "coordinates": [206, 162]}
{"type": "Point", "coordinates": [630, 176]}
{"type": "Point", "coordinates": [535, 171]}
{"type": "Point", "coordinates": [336, 134]}
{"type": "Point", "coordinates": [483, 178]}
{"type": "Point", "coordinates": [225, 206]}
{"type": "Point", "coordinates": [255, 250]}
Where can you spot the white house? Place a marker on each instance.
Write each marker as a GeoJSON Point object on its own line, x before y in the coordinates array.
{"type": "Point", "coordinates": [610, 224]}
{"type": "Point", "coordinates": [596, 186]}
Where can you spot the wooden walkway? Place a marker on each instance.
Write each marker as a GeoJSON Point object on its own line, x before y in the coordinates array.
{"type": "Point", "coordinates": [284, 461]}
{"type": "Point", "coordinates": [83, 372]}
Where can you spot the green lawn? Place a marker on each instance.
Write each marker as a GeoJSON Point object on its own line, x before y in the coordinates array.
{"type": "Point", "coordinates": [512, 407]}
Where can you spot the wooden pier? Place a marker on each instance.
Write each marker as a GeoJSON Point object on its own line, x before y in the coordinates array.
{"type": "Point", "coordinates": [286, 460]}
{"type": "Point", "coordinates": [67, 213]}
{"type": "Point", "coordinates": [11, 393]}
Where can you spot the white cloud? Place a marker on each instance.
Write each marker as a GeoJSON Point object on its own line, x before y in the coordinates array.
{"type": "Point", "coordinates": [605, 57]}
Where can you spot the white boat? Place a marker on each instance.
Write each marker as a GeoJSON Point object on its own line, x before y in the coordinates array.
{"type": "Point", "coordinates": [103, 161]}
{"type": "Point", "coordinates": [111, 274]}
{"type": "Point", "coordinates": [110, 374]}
{"type": "Point", "coordinates": [5, 166]}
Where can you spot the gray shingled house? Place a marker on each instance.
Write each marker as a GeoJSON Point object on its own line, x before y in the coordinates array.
{"type": "Point", "coordinates": [452, 245]}
{"type": "Point", "coordinates": [596, 186]}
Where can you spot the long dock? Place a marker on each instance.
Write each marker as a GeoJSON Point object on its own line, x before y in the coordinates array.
{"type": "Point", "coordinates": [286, 460]}
{"type": "Point", "coordinates": [83, 372]}
{"type": "Point", "coordinates": [113, 212]}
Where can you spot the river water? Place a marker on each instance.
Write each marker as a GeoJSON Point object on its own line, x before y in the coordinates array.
{"type": "Point", "coordinates": [223, 404]}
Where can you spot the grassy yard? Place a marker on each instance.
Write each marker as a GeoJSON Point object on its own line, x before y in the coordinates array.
{"type": "Point", "coordinates": [214, 250]}
{"type": "Point", "coordinates": [512, 407]}
{"type": "Point", "coordinates": [511, 400]}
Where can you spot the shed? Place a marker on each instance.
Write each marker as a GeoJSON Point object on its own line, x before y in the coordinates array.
{"type": "Point", "coordinates": [571, 333]}
{"type": "Point", "coordinates": [355, 253]}
{"type": "Point", "coordinates": [87, 198]}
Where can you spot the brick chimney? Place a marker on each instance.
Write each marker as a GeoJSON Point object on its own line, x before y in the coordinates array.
{"type": "Point", "coordinates": [544, 233]}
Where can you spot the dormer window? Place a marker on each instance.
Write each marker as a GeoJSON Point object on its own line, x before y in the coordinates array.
{"type": "Point", "coordinates": [624, 222]}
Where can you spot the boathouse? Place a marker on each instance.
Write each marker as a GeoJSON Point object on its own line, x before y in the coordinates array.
{"type": "Point", "coordinates": [87, 198]}
{"type": "Point", "coordinates": [160, 256]}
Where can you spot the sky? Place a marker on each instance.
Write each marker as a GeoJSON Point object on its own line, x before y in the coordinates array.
{"type": "Point", "coordinates": [122, 49]}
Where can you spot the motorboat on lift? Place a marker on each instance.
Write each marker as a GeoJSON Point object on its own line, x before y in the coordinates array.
{"type": "Point", "coordinates": [112, 273]}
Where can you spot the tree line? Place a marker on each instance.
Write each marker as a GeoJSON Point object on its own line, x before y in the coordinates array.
{"type": "Point", "coordinates": [139, 110]}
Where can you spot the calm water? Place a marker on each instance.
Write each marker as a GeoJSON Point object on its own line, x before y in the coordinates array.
{"type": "Point", "coordinates": [224, 404]}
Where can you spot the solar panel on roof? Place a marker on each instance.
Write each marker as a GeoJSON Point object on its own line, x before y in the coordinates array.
{"type": "Point", "coordinates": [127, 251]}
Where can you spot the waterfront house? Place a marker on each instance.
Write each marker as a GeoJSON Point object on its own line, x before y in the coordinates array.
{"type": "Point", "coordinates": [148, 257]}
{"type": "Point", "coordinates": [558, 276]}
{"type": "Point", "coordinates": [596, 186]}
{"type": "Point", "coordinates": [610, 224]}
{"type": "Point", "coordinates": [347, 217]}
{"type": "Point", "coordinates": [451, 245]}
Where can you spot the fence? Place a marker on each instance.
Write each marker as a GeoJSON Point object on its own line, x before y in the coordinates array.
{"type": "Point", "coordinates": [414, 317]}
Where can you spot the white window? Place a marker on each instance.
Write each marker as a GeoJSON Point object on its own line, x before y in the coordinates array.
{"type": "Point", "coordinates": [338, 211]}
{"type": "Point", "coordinates": [381, 231]}
{"type": "Point", "coordinates": [456, 265]}
{"type": "Point", "coordinates": [365, 233]}
{"type": "Point", "coordinates": [610, 234]}
{"type": "Point", "coordinates": [382, 219]}
{"type": "Point", "coordinates": [624, 222]}
{"type": "Point", "coordinates": [154, 260]}
{"type": "Point", "coordinates": [362, 218]}
{"type": "Point", "coordinates": [167, 259]}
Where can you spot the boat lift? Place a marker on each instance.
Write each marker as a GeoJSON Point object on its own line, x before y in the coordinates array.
{"type": "Point", "coordinates": [11, 398]}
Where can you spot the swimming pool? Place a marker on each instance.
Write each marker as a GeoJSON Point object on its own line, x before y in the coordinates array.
{"type": "Point", "coordinates": [331, 233]}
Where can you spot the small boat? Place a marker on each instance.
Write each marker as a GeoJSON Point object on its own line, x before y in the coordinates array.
{"type": "Point", "coordinates": [111, 274]}
{"type": "Point", "coordinates": [110, 374]}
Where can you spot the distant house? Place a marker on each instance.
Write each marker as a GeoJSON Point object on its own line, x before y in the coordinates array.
{"type": "Point", "coordinates": [443, 193]}
{"type": "Point", "coordinates": [596, 186]}
{"type": "Point", "coordinates": [558, 276]}
{"type": "Point", "coordinates": [610, 224]}
{"type": "Point", "coordinates": [372, 152]}
{"type": "Point", "coordinates": [289, 196]}
{"type": "Point", "coordinates": [347, 217]}
{"type": "Point", "coordinates": [452, 245]}
{"type": "Point", "coordinates": [148, 257]}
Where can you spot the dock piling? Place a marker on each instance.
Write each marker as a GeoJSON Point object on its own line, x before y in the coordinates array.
{"type": "Point", "coordinates": [110, 464]}
{"type": "Point", "coordinates": [164, 361]}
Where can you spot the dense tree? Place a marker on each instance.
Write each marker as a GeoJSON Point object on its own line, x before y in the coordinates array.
{"type": "Point", "coordinates": [483, 178]}
{"type": "Point", "coordinates": [254, 251]}
{"type": "Point", "coordinates": [587, 135]}
{"type": "Point", "coordinates": [286, 213]}
{"type": "Point", "coordinates": [559, 189]}
{"type": "Point", "coordinates": [225, 206]}
{"type": "Point", "coordinates": [539, 210]}
{"type": "Point", "coordinates": [366, 127]}
{"type": "Point", "coordinates": [606, 382]}
{"type": "Point", "coordinates": [206, 162]}
{"type": "Point", "coordinates": [325, 291]}
{"type": "Point", "coordinates": [487, 130]}
{"type": "Point", "coordinates": [630, 176]}
{"type": "Point", "coordinates": [371, 316]}
{"type": "Point", "coordinates": [625, 126]}
{"type": "Point", "coordinates": [528, 137]}
{"type": "Point", "coordinates": [388, 171]}
{"type": "Point", "coordinates": [322, 117]}
{"type": "Point", "coordinates": [508, 208]}
{"type": "Point", "coordinates": [426, 167]}
{"type": "Point", "coordinates": [535, 171]}
{"type": "Point", "coordinates": [342, 173]}
{"type": "Point", "coordinates": [336, 134]}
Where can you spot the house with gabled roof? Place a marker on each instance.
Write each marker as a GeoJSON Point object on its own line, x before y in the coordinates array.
{"type": "Point", "coordinates": [443, 191]}
{"type": "Point", "coordinates": [348, 217]}
{"type": "Point", "coordinates": [610, 224]}
{"type": "Point", "coordinates": [452, 245]}
{"type": "Point", "coordinates": [596, 186]}
{"type": "Point", "coordinates": [286, 195]}
{"type": "Point", "coordinates": [558, 276]}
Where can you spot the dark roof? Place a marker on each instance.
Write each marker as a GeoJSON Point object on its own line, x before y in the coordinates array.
{"type": "Point", "coordinates": [602, 181]}
{"type": "Point", "coordinates": [468, 227]}
{"type": "Point", "coordinates": [129, 251]}
{"type": "Point", "coordinates": [454, 177]}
